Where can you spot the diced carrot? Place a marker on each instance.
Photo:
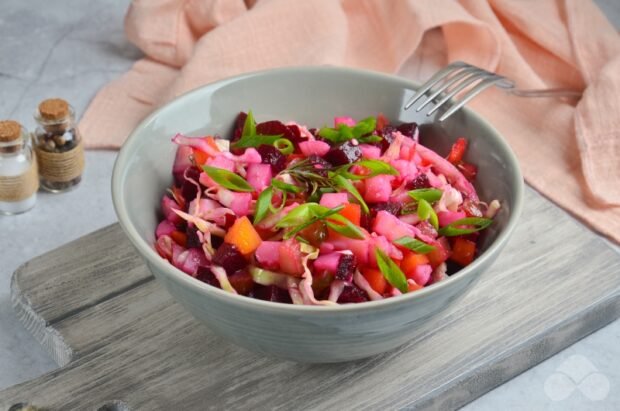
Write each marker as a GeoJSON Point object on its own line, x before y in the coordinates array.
{"type": "Point", "coordinates": [424, 162]}
{"type": "Point", "coordinates": [179, 237]}
{"type": "Point", "coordinates": [440, 253]}
{"type": "Point", "coordinates": [200, 157]}
{"type": "Point", "coordinates": [211, 141]}
{"type": "Point", "coordinates": [458, 151]}
{"type": "Point", "coordinates": [243, 236]}
{"type": "Point", "coordinates": [352, 212]}
{"type": "Point", "coordinates": [375, 279]}
{"type": "Point", "coordinates": [411, 261]}
{"type": "Point", "coordinates": [413, 286]}
{"type": "Point", "coordinates": [463, 251]}
{"type": "Point", "coordinates": [382, 121]}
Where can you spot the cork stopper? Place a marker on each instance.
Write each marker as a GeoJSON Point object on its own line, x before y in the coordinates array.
{"type": "Point", "coordinates": [9, 131]}
{"type": "Point", "coordinates": [54, 109]}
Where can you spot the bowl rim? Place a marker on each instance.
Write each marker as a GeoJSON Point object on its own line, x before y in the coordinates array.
{"type": "Point", "coordinates": [148, 252]}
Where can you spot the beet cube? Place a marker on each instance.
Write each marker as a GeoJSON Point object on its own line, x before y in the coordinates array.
{"type": "Point", "coordinates": [192, 236]}
{"type": "Point", "coordinates": [421, 181]}
{"type": "Point", "coordinates": [272, 156]}
{"type": "Point", "coordinates": [205, 275]}
{"type": "Point", "coordinates": [242, 281]}
{"type": "Point", "coordinates": [389, 206]}
{"type": "Point", "coordinates": [346, 267]}
{"type": "Point", "coordinates": [189, 189]}
{"type": "Point", "coordinates": [352, 294]}
{"type": "Point", "coordinates": [272, 128]}
{"type": "Point", "coordinates": [229, 258]}
{"type": "Point", "coordinates": [407, 129]}
{"type": "Point", "coordinates": [237, 131]}
{"type": "Point", "coordinates": [271, 293]}
{"type": "Point", "coordinates": [321, 166]}
{"type": "Point", "coordinates": [345, 153]}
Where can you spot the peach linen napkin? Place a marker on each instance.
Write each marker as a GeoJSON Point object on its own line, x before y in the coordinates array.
{"type": "Point", "coordinates": [569, 153]}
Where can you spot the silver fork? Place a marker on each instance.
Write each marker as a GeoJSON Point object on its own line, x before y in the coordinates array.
{"type": "Point", "coordinates": [459, 76]}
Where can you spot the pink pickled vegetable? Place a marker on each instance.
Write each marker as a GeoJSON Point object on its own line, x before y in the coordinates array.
{"type": "Point", "coordinates": [384, 245]}
{"type": "Point", "coordinates": [422, 274]}
{"type": "Point", "coordinates": [370, 152]}
{"type": "Point", "coordinates": [392, 228]}
{"type": "Point", "coordinates": [164, 228]}
{"type": "Point", "coordinates": [447, 217]}
{"type": "Point", "coordinates": [240, 203]}
{"type": "Point", "coordinates": [348, 121]}
{"type": "Point", "coordinates": [259, 176]}
{"type": "Point", "coordinates": [332, 200]}
{"type": "Point", "coordinates": [167, 205]}
{"type": "Point", "coordinates": [327, 262]}
{"type": "Point", "coordinates": [378, 188]}
{"type": "Point", "coordinates": [320, 148]}
{"type": "Point", "coordinates": [407, 169]}
{"type": "Point", "coordinates": [268, 254]}
{"type": "Point", "coordinates": [359, 248]}
{"type": "Point", "coordinates": [182, 161]}
{"type": "Point", "coordinates": [188, 261]}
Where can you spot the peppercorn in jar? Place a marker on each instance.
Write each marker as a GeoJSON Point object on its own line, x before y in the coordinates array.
{"type": "Point", "coordinates": [58, 146]}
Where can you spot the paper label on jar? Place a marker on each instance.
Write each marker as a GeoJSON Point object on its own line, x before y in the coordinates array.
{"type": "Point", "coordinates": [61, 167]}
{"type": "Point", "coordinates": [19, 187]}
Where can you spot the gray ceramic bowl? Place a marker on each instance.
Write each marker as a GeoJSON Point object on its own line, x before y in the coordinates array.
{"type": "Point", "coordinates": [310, 96]}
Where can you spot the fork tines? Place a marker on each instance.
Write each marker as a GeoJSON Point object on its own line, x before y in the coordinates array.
{"type": "Point", "coordinates": [454, 79]}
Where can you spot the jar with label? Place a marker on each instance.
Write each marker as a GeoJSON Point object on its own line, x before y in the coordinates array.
{"type": "Point", "coordinates": [19, 181]}
{"type": "Point", "coordinates": [58, 146]}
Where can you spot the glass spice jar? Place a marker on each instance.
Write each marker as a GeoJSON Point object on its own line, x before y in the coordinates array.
{"type": "Point", "coordinates": [19, 181]}
{"type": "Point", "coordinates": [58, 146]}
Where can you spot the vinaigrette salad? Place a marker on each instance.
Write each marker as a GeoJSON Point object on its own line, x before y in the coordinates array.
{"type": "Point", "coordinates": [346, 214]}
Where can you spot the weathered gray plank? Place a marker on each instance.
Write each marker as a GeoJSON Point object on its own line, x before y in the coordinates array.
{"type": "Point", "coordinates": [555, 283]}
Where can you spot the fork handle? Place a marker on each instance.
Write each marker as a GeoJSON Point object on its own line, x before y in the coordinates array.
{"type": "Point", "coordinates": [550, 92]}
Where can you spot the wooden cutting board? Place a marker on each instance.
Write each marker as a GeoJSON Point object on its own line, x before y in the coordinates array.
{"type": "Point", "coordinates": [122, 343]}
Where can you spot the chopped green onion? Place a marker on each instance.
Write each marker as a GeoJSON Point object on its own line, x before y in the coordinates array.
{"type": "Point", "coordinates": [365, 126]}
{"type": "Point", "coordinates": [282, 203]}
{"type": "Point", "coordinates": [376, 168]}
{"type": "Point", "coordinates": [455, 227]}
{"type": "Point", "coordinates": [391, 271]}
{"type": "Point", "coordinates": [284, 145]}
{"type": "Point", "coordinates": [345, 184]}
{"type": "Point", "coordinates": [344, 227]}
{"type": "Point", "coordinates": [228, 179]}
{"type": "Point", "coordinates": [282, 186]}
{"type": "Point", "coordinates": [429, 194]}
{"type": "Point", "coordinates": [255, 141]}
{"type": "Point", "coordinates": [426, 212]}
{"type": "Point", "coordinates": [262, 204]}
{"type": "Point", "coordinates": [414, 245]}
{"type": "Point", "coordinates": [249, 138]}
{"type": "Point", "coordinates": [307, 214]}
{"type": "Point", "coordinates": [342, 132]}
{"type": "Point", "coordinates": [249, 125]}
{"type": "Point", "coordinates": [370, 139]}
{"type": "Point", "coordinates": [330, 134]}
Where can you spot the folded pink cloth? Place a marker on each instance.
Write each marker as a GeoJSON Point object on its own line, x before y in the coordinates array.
{"type": "Point", "coordinates": [569, 153]}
